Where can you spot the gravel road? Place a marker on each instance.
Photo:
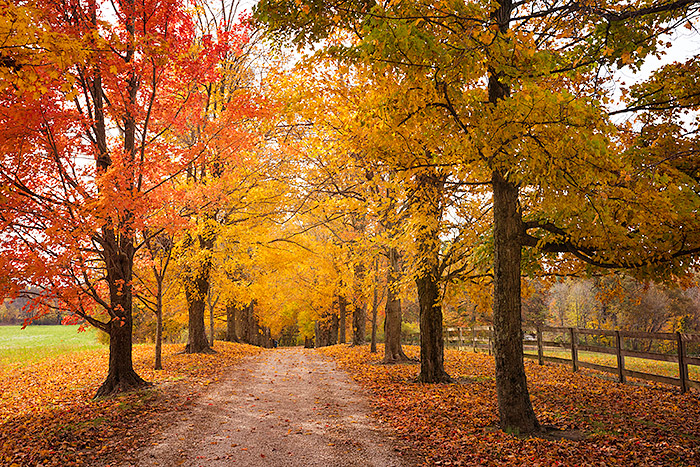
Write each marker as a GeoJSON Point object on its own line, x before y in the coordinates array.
{"type": "Point", "coordinates": [284, 407]}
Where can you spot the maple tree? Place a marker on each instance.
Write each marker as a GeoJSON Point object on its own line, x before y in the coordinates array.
{"type": "Point", "coordinates": [159, 253]}
{"type": "Point", "coordinates": [218, 184]}
{"type": "Point", "coordinates": [85, 155]}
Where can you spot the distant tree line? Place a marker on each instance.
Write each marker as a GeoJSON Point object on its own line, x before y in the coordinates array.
{"type": "Point", "coordinates": [607, 302]}
{"type": "Point", "coordinates": [14, 312]}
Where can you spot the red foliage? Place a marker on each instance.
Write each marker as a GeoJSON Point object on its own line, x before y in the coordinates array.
{"type": "Point", "coordinates": [96, 145]}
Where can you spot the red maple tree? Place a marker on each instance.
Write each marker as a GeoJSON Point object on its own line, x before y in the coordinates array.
{"type": "Point", "coordinates": [88, 148]}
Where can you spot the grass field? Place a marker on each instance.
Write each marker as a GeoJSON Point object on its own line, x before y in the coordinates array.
{"type": "Point", "coordinates": [654, 367]}
{"type": "Point", "coordinates": [34, 343]}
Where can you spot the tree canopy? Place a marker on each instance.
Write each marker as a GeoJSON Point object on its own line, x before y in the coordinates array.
{"type": "Point", "coordinates": [182, 155]}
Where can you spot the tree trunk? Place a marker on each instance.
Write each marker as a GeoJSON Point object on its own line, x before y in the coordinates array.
{"type": "Point", "coordinates": [196, 292]}
{"type": "Point", "coordinates": [359, 313]}
{"type": "Point", "coordinates": [242, 321]}
{"type": "Point", "coordinates": [252, 326]}
{"type": "Point", "coordinates": [333, 330]}
{"type": "Point", "coordinates": [119, 259]}
{"type": "Point", "coordinates": [317, 335]}
{"type": "Point", "coordinates": [197, 341]}
{"type": "Point", "coordinates": [514, 407]}
{"type": "Point", "coordinates": [121, 375]}
{"type": "Point", "coordinates": [393, 353]}
{"type": "Point", "coordinates": [159, 329]}
{"type": "Point", "coordinates": [375, 309]}
{"type": "Point", "coordinates": [255, 332]}
{"type": "Point", "coordinates": [342, 312]}
{"type": "Point", "coordinates": [231, 312]}
{"type": "Point", "coordinates": [211, 326]}
{"type": "Point", "coordinates": [268, 338]}
{"type": "Point", "coordinates": [432, 365]}
{"type": "Point", "coordinates": [359, 324]}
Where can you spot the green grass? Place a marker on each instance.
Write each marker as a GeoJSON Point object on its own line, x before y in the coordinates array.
{"type": "Point", "coordinates": [33, 343]}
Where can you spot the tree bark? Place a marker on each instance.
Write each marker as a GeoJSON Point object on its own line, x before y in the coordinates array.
{"type": "Point", "coordinates": [333, 330]}
{"type": "Point", "coordinates": [242, 320]}
{"type": "Point", "coordinates": [432, 365]}
{"type": "Point", "coordinates": [159, 329]}
{"type": "Point", "coordinates": [359, 313]}
{"type": "Point", "coordinates": [121, 375]}
{"type": "Point", "coordinates": [253, 328]}
{"type": "Point", "coordinates": [359, 324]}
{"type": "Point", "coordinates": [317, 335]}
{"type": "Point", "coordinates": [514, 406]}
{"type": "Point", "coordinates": [231, 312]}
{"type": "Point", "coordinates": [375, 309]}
{"type": "Point", "coordinates": [393, 353]}
{"type": "Point", "coordinates": [197, 341]}
{"type": "Point", "coordinates": [211, 326]}
{"type": "Point", "coordinates": [119, 259]}
{"type": "Point", "coordinates": [267, 335]}
{"type": "Point", "coordinates": [196, 292]}
{"type": "Point", "coordinates": [342, 313]}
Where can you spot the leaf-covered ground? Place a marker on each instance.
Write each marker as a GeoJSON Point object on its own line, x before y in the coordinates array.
{"type": "Point", "coordinates": [456, 424]}
{"type": "Point", "coordinates": [48, 416]}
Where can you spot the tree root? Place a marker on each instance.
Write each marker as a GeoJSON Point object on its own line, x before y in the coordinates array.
{"type": "Point", "coordinates": [125, 383]}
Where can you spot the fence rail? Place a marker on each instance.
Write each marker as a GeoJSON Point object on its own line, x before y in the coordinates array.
{"type": "Point", "coordinates": [570, 342]}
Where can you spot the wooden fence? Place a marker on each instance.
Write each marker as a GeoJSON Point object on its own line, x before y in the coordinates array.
{"type": "Point", "coordinates": [570, 342]}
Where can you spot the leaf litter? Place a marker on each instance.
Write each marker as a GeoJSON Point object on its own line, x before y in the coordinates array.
{"type": "Point", "coordinates": [457, 424]}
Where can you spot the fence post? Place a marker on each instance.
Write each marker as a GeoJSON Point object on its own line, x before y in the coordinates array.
{"type": "Point", "coordinates": [474, 338]}
{"type": "Point", "coordinates": [574, 348]}
{"type": "Point", "coordinates": [620, 357]}
{"type": "Point", "coordinates": [540, 348]}
{"type": "Point", "coordinates": [489, 331]}
{"type": "Point", "coordinates": [461, 340]}
{"type": "Point", "coordinates": [682, 366]}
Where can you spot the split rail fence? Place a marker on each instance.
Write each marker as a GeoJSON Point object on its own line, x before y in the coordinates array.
{"type": "Point", "coordinates": [568, 345]}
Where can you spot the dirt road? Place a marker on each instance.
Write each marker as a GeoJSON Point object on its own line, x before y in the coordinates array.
{"type": "Point", "coordinates": [284, 407]}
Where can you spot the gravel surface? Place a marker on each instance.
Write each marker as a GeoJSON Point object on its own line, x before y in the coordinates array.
{"type": "Point", "coordinates": [284, 407]}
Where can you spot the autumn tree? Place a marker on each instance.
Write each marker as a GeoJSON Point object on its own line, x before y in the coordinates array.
{"type": "Point", "coordinates": [514, 97]}
{"type": "Point", "coordinates": [223, 129]}
{"type": "Point", "coordinates": [158, 253]}
{"type": "Point", "coordinates": [85, 153]}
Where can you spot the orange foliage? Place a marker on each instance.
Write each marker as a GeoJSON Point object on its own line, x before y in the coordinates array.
{"type": "Point", "coordinates": [48, 417]}
{"type": "Point", "coordinates": [457, 424]}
